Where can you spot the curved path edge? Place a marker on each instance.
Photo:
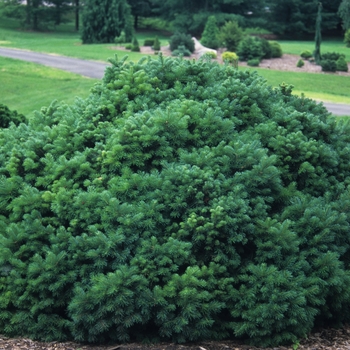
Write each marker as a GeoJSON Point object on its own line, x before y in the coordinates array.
{"type": "Point", "coordinates": [96, 70]}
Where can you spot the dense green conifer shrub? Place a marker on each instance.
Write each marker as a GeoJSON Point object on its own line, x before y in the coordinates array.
{"type": "Point", "coordinates": [181, 200]}
{"type": "Point", "coordinates": [230, 35]}
{"type": "Point", "coordinates": [328, 65]}
{"type": "Point", "coordinates": [7, 117]}
{"type": "Point", "coordinates": [347, 38]}
{"type": "Point", "coordinates": [342, 65]}
{"type": "Point", "coordinates": [179, 39]}
{"type": "Point", "coordinates": [250, 47]}
{"type": "Point", "coordinates": [276, 49]}
{"type": "Point", "coordinates": [254, 62]}
{"type": "Point", "coordinates": [306, 55]}
{"type": "Point", "coordinates": [210, 35]}
{"type": "Point", "coordinates": [156, 44]}
{"type": "Point", "coordinates": [300, 63]}
{"type": "Point", "coordinates": [135, 46]}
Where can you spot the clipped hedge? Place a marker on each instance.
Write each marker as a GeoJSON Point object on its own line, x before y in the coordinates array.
{"type": "Point", "coordinates": [182, 200]}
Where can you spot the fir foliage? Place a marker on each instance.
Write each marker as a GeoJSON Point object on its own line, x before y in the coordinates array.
{"type": "Point", "coordinates": [210, 35]}
{"type": "Point", "coordinates": [182, 200]}
{"type": "Point", "coordinates": [105, 20]}
{"type": "Point", "coordinates": [7, 117]}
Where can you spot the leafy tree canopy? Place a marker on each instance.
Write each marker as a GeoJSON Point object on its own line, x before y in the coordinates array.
{"type": "Point", "coordinates": [182, 200]}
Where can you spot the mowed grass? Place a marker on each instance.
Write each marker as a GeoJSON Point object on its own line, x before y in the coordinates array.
{"type": "Point", "coordinates": [27, 87]}
{"type": "Point", "coordinates": [324, 87]}
{"type": "Point", "coordinates": [67, 42]}
{"type": "Point", "coordinates": [328, 45]}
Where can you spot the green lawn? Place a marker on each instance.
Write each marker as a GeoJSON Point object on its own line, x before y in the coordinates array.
{"type": "Point", "coordinates": [329, 45]}
{"type": "Point", "coordinates": [26, 87]}
{"type": "Point", "coordinates": [325, 87]}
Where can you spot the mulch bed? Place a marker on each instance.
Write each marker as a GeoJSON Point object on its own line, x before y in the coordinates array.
{"type": "Point", "coordinates": [336, 339]}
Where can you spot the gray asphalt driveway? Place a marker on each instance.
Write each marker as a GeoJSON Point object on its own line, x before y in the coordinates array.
{"type": "Point", "coordinates": [96, 70]}
{"type": "Point", "coordinates": [86, 68]}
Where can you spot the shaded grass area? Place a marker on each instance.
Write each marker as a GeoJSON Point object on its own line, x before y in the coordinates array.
{"type": "Point", "coordinates": [27, 87]}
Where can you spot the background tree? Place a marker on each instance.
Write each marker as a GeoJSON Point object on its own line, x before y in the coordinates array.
{"type": "Point", "coordinates": [191, 16]}
{"type": "Point", "coordinates": [210, 36]}
{"type": "Point", "coordinates": [318, 37]}
{"type": "Point", "coordinates": [344, 13]}
{"type": "Point", "coordinates": [230, 35]}
{"type": "Point", "coordinates": [296, 18]}
{"type": "Point", "coordinates": [104, 20]}
{"type": "Point", "coordinates": [140, 8]}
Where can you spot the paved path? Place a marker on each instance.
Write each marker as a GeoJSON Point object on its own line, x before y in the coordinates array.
{"type": "Point", "coordinates": [87, 68]}
{"type": "Point", "coordinates": [96, 70]}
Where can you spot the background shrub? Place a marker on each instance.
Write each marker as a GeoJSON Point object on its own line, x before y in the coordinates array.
{"type": "Point", "coordinates": [230, 57]}
{"type": "Point", "coordinates": [328, 65]}
{"type": "Point", "coordinates": [300, 63]}
{"type": "Point", "coordinates": [333, 56]}
{"type": "Point", "coordinates": [179, 39]}
{"type": "Point", "coordinates": [276, 49]}
{"type": "Point", "coordinates": [266, 48]}
{"type": "Point", "coordinates": [180, 201]}
{"type": "Point", "coordinates": [347, 38]}
{"type": "Point", "coordinates": [121, 38]}
{"type": "Point", "coordinates": [306, 54]}
{"type": "Point", "coordinates": [156, 44]}
{"type": "Point", "coordinates": [148, 42]}
{"type": "Point", "coordinates": [341, 64]}
{"type": "Point", "coordinates": [210, 35]}
{"type": "Point", "coordinates": [7, 117]}
{"type": "Point", "coordinates": [128, 46]}
{"type": "Point", "coordinates": [250, 47]}
{"type": "Point", "coordinates": [135, 45]}
{"type": "Point", "coordinates": [210, 55]}
{"type": "Point", "coordinates": [181, 51]}
{"type": "Point", "coordinates": [230, 35]}
{"type": "Point", "coordinates": [254, 62]}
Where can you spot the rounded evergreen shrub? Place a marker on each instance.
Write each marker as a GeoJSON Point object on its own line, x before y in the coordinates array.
{"type": "Point", "coordinates": [148, 42]}
{"type": "Point", "coordinates": [182, 200]}
{"type": "Point", "coordinates": [306, 54]}
{"type": "Point", "coordinates": [328, 65]}
{"type": "Point", "coordinates": [181, 51]}
{"type": "Point", "coordinates": [300, 63]}
{"type": "Point", "coordinates": [276, 49]}
{"type": "Point", "coordinates": [179, 39]}
{"type": "Point", "coordinates": [254, 62]}
{"type": "Point", "coordinates": [7, 117]}
{"type": "Point", "coordinates": [333, 56]}
{"type": "Point", "coordinates": [250, 47]}
{"type": "Point", "coordinates": [230, 57]}
{"type": "Point", "coordinates": [341, 64]}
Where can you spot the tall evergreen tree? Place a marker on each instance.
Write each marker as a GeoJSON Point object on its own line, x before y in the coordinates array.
{"type": "Point", "coordinates": [295, 18]}
{"type": "Point", "coordinates": [103, 20]}
{"type": "Point", "coordinates": [210, 36]}
{"type": "Point", "coordinates": [344, 13]}
{"type": "Point", "coordinates": [318, 36]}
